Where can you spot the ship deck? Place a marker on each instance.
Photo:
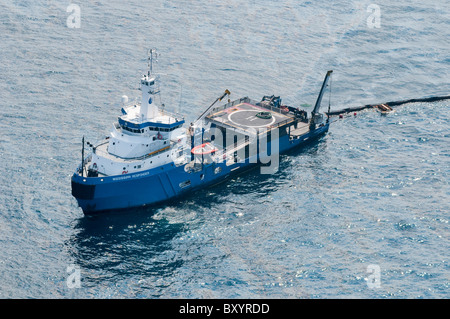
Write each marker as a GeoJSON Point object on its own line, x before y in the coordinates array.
{"type": "Point", "coordinates": [243, 117]}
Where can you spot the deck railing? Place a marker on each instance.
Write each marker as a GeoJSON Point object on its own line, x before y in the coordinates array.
{"type": "Point", "coordinates": [250, 101]}
{"type": "Point", "coordinates": [105, 153]}
{"type": "Point", "coordinates": [177, 116]}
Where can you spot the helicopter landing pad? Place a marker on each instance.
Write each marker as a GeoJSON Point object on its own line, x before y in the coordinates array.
{"type": "Point", "coordinates": [249, 117]}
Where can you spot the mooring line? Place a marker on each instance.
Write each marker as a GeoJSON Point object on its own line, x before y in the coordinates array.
{"type": "Point", "coordinates": [387, 106]}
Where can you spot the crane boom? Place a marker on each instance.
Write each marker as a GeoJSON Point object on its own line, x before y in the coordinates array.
{"type": "Point", "coordinates": [322, 90]}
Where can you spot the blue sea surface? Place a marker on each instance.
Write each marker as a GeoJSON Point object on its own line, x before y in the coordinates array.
{"type": "Point", "coordinates": [374, 191]}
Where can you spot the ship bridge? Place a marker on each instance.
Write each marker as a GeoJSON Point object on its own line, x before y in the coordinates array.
{"type": "Point", "coordinates": [161, 123]}
{"type": "Point", "coordinates": [132, 121]}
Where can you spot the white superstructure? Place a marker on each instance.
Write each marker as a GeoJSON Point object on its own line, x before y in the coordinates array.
{"type": "Point", "coordinates": [144, 136]}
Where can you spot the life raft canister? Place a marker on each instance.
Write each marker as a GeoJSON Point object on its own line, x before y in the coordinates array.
{"type": "Point", "coordinates": [205, 148]}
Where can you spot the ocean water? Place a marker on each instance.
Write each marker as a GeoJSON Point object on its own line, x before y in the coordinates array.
{"type": "Point", "coordinates": [371, 194]}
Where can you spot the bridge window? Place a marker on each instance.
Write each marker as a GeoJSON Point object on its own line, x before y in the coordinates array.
{"type": "Point", "coordinates": [150, 128]}
{"type": "Point", "coordinates": [132, 130]}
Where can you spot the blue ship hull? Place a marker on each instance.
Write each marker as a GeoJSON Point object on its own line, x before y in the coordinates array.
{"type": "Point", "coordinates": [164, 183]}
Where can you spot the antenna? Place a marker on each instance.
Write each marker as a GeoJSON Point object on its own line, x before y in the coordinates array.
{"type": "Point", "coordinates": [181, 94]}
{"type": "Point", "coordinates": [150, 60]}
